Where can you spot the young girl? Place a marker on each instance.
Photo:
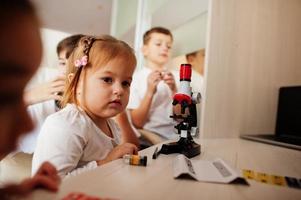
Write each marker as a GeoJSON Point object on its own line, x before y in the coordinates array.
{"type": "Point", "coordinates": [82, 136]}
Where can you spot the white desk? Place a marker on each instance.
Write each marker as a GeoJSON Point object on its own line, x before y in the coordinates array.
{"type": "Point", "coordinates": [122, 181]}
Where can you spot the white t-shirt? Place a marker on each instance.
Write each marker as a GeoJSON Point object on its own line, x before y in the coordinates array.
{"type": "Point", "coordinates": [159, 120]}
{"type": "Point", "coordinates": [71, 141]}
{"type": "Point", "coordinates": [38, 112]}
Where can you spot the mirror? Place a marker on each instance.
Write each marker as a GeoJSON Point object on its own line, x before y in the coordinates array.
{"type": "Point", "coordinates": [187, 20]}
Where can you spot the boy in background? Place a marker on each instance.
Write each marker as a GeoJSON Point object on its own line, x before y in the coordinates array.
{"type": "Point", "coordinates": [153, 86]}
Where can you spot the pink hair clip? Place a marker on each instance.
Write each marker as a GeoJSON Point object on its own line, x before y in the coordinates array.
{"type": "Point", "coordinates": [81, 62]}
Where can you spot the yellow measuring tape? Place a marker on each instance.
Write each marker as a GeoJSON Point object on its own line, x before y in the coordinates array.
{"type": "Point", "coordinates": [272, 179]}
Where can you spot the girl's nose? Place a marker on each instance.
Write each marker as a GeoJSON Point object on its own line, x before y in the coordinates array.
{"type": "Point", "coordinates": [165, 47]}
{"type": "Point", "coordinates": [118, 89]}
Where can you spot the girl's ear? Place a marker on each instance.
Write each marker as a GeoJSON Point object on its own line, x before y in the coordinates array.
{"type": "Point", "coordinates": [70, 77]}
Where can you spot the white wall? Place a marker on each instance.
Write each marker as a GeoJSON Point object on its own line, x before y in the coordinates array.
{"type": "Point", "coordinates": [254, 47]}
{"type": "Point", "coordinates": [126, 12]}
{"type": "Point", "coordinates": [50, 39]}
{"type": "Point", "coordinates": [190, 36]}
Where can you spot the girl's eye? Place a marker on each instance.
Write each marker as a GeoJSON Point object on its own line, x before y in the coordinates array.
{"type": "Point", "coordinates": [62, 63]}
{"type": "Point", "coordinates": [107, 79]}
{"type": "Point", "coordinates": [158, 44]}
{"type": "Point", "coordinates": [126, 83]}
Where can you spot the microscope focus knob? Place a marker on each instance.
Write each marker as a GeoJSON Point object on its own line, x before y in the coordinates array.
{"type": "Point", "coordinates": [196, 97]}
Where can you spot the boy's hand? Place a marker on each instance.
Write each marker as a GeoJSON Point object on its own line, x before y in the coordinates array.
{"type": "Point", "coordinates": [169, 79]}
{"type": "Point", "coordinates": [152, 81]}
{"type": "Point", "coordinates": [119, 152]}
{"type": "Point", "coordinates": [46, 91]}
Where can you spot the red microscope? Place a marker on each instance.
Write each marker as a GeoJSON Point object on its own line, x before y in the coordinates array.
{"type": "Point", "coordinates": [185, 113]}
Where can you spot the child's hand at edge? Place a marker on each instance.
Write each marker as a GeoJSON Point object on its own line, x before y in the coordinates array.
{"type": "Point", "coordinates": [82, 196]}
{"type": "Point", "coordinates": [46, 177]}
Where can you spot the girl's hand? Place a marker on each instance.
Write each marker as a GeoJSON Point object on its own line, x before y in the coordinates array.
{"type": "Point", "coordinates": [152, 81]}
{"type": "Point", "coordinates": [169, 79]}
{"type": "Point", "coordinates": [119, 152]}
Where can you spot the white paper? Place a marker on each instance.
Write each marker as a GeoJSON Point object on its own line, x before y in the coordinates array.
{"type": "Point", "coordinates": [203, 170]}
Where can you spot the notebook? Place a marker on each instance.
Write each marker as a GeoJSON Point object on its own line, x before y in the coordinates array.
{"type": "Point", "coordinates": [288, 120]}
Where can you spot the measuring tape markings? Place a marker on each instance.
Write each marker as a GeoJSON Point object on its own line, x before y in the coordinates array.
{"type": "Point", "coordinates": [272, 179]}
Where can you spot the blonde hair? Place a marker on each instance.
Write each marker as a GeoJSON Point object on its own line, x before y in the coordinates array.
{"type": "Point", "coordinates": [99, 51]}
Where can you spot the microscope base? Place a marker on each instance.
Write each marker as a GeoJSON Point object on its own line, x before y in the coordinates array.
{"type": "Point", "coordinates": [184, 146]}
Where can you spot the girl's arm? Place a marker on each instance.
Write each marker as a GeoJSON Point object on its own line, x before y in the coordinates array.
{"type": "Point", "coordinates": [127, 133]}
{"type": "Point", "coordinates": [60, 144]}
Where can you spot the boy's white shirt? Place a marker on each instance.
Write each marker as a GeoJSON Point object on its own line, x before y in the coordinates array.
{"type": "Point", "coordinates": [159, 120]}
{"type": "Point", "coordinates": [38, 112]}
{"type": "Point", "coordinates": [71, 141]}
